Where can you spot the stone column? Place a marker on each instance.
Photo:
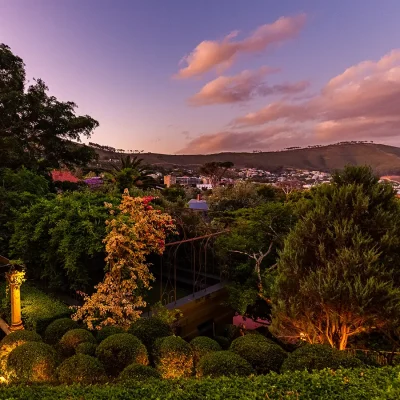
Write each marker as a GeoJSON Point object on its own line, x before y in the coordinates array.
{"type": "Point", "coordinates": [15, 296]}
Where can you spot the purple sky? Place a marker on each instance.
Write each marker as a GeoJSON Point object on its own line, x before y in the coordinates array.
{"type": "Point", "coordinates": [252, 81]}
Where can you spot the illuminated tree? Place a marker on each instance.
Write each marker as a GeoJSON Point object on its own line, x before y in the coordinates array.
{"type": "Point", "coordinates": [135, 231]}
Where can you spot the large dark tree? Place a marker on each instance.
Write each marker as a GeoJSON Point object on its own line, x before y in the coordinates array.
{"type": "Point", "coordinates": [215, 170]}
{"type": "Point", "coordinates": [37, 130]}
{"type": "Point", "coordinates": [339, 272]}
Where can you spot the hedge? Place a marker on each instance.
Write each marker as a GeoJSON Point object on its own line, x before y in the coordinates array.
{"type": "Point", "coordinates": [81, 368]}
{"type": "Point", "coordinates": [108, 331]}
{"type": "Point", "coordinates": [118, 351]}
{"type": "Point", "coordinates": [70, 341]}
{"type": "Point", "coordinates": [57, 328]}
{"type": "Point", "coordinates": [20, 337]}
{"type": "Point", "coordinates": [365, 383]}
{"type": "Point", "coordinates": [86, 348]}
{"type": "Point", "coordinates": [138, 372]}
{"type": "Point", "coordinates": [32, 362]}
{"type": "Point", "coordinates": [202, 345]}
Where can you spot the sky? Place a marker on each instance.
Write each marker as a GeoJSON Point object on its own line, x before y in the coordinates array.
{"type": "Point", "coordinates": [206, 76]}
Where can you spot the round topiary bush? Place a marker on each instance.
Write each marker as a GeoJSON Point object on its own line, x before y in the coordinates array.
{"type": "Point", "coordinates": [108, 331]}
{"type": "Point", "coordinates": [138, 372]}
{"type": "Point", "coordinates": [223, 363]}
{"type": "Point", "coordinates": [86, 348]}
{"type": "Point", "coordinates": [318, 356]}
{"type": "Point", "coordinates": [223, 341]}
{"type": "Point", "coordinates": [202, 345]}
{"type": "Point", "coordinates": [173, 357]}
{"type": "Point", "coordinates": [118, 351]}
{"type": "Point", "coordinates": [148, 330]}
{"type": "Point", "coordinates": [17, 338]}
{"type": "Point", "coordinates": [32, 362]}
{"type": "Point", "coordinates": [58, 328]}
{"type": "Point", "coordinates": [254, 338]}
{"type": "Point", "coordinates": [81, 368]}
{"type": "Point", "coordinates": [70, 341]}
{"type": "Point", "coordinates": [263, 356]}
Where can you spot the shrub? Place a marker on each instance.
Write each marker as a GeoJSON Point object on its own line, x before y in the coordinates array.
{"type": "Point", "coordinates": [86, 348]}
{"type": "Point", "coordinates": [118, 351]}
{"type": "Point", "coordinates": [72, 339]}
{"type": "Point", "coordinates": [318, 356]}
{"type": "Point", "coordinates": [202, 345]}
{"type": "Point", "coordinates": [108, 331]}
{"type": "Point", "coordinates": [223, 341]}
{"type": "Point", "coordinates": [32, 362]}
{"type": "Point", "coordinates": [138, 372]}
{"type": "Point", "coordinates": [263, 356]}
{"type": "Point", "coordinates": [173, 357]}
{"type": "Point", "coordinates": [56, 329]}
{"type": "Point", "coordinates": [150, 329]}
{"type": "Point", "coordinates": [255, 338]}
{"type": "Point", "coordinates": [223, 363]}
{"type": "Point", "coordinates": [81, 368]}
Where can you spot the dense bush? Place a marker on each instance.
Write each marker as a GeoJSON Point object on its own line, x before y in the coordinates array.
{"type": "Point", "coordinates": [138, 372]}
{"type": "Point", "coordinates": [32, 362]}
{"type": "Point", "coordinates": [72, 339]}
{"type": "Point", "coordinates": [223, 363]}
{"type": "Point", "coordinates": [223, 341]}
{"type": "Point", "coordinates": [173, 357]}
{"type": "Point", "coordinates": [254, 338]}
{"type": "Point", "coordinates": [316, 357]}
{"type": "Point", "coordinates": [108, 331]}
{"type": "Point", "coordinates": [86, 348]}
{"type": "Point", "coordinates": [262, 355]}
{"type": "Point", "coordinates": [20, 337]}
{"type": "Point", "coordinates": [150, 329]}
{"type": "Point", "coordinates": [118, 351]}
{"type": "Point", "coordinates": [376, 383]}
{"type": "Point", "coordinates": [202, 345]}
{"type": "Point", "coordinates": [56, 330]}
{"type": "Point", "coordinates": [81, 368]}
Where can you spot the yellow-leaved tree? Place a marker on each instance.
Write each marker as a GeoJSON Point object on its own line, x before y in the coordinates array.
{"type": "Point", "coordinates": [135, 231]}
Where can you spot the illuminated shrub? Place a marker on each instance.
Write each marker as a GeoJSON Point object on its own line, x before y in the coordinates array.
{"type": "Point", "coordinates": [138, 373]}
{"type": "Point", "coordinates": [32, 362]}
{"type": "Point", "coordinates": [173, 357]}
{"type": "Point", "coordinates": [318, 356]}
{"type": "Point", "coordinates": [223, 363]}
{"type": "Point", "coordinates": [255, 338]}
{"type": "Point", "coordinates": [148, 330]}
{"type": "Point", "coordinates": [86, 348]}
{"type": "Point", "coordinates": [262, 355]}
{"type": "Point", "coordinates": [81, 368]}
{"type": "Point", "coordinates": [118, 351]}
{"type": "Point", "coordinates": [202, 345]}
{"type": "Point", "coordinates": [108, 331]}
{"type": "Point", "coordinates": [70, 341]}
{"type": "Point", "coordinates": [58, 328]}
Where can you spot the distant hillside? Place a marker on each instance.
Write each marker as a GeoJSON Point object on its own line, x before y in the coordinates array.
{"type": "Point", "coordinates": [385, 160]}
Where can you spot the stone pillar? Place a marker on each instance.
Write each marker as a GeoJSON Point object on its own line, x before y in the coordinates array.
{"type": "Point", "coordinates": [14, 282]}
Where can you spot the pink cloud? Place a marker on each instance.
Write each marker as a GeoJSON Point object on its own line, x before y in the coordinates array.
{"type": "Point", "coordinates": [242, 87]}
{"type": "Point", "coordinates": [221, 54]}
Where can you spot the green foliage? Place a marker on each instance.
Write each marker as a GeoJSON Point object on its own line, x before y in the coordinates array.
{"type": "Point", "coordinates": [173, 357]}
{"type": "Point", "coordinates": [71, 339]}
{"type": "Point", "coordinates": [20, 337]}
{"type": "Point", "coordinates": [223, 341]}
{"type": "Point", "coordinates": [150, 329]}
{"type": "Point", "coordinates": [174, 193]}
{"type": "Point", "coordinates": [380, 383]}
{"type": "Point", "coordinates": [61, 239]}
{"type": "Point", "coordinates": [259, 352]}
{"type": "Point", "coordinates": [138, 373]}
{"type": "Point", "coordinates": [37, 130]}
{"type": "Point", "coordinates": [223, 363]}
{"type": "Point", "coordinates": [339, 274]}
{"type": "Point", "coordinates": [56, 329]}
{"type": "Point", "coordinates": [86, 348]}
{"type": "Point", "coordinates": [118, 351]}
{"type": "Point", "coordinates": [317, 357]}
{"type": "Point", "coordinates": [81, 368]}
{"type": "Point", "coordinates": [107, 331]}
{"type": "Point", "coordinates": [202, 345]}
{"type": "Point", "coordinates": [32, 362]}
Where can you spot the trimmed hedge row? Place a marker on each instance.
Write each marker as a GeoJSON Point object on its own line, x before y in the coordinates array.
{"type": "Point", "coordinates": [374, 383]}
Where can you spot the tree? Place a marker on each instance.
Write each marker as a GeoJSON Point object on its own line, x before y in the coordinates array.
{"type": "Point", "coordinates": [215, 170]}
{"type": "Point", "coordinates": [338, 274]}
{"type": "Point", "coordinates": [37, 130]}
{"type": "Point", "coordinates": [135, 231]}
{"type": "Point", "coordinates": [289, 186]}
{"type": "Point", "coordinates": [249, 251]}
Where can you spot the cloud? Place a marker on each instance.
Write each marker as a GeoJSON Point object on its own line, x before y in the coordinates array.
{"type": "Point", "coordinates": [363, 101]}
{"type": "Point", "coordinates": [243, 87]}
{"type": "Point", "coordinates": [220, 54]}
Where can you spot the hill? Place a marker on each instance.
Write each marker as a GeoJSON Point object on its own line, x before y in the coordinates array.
{"type": "Point", "coordinates": [385, 160]}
